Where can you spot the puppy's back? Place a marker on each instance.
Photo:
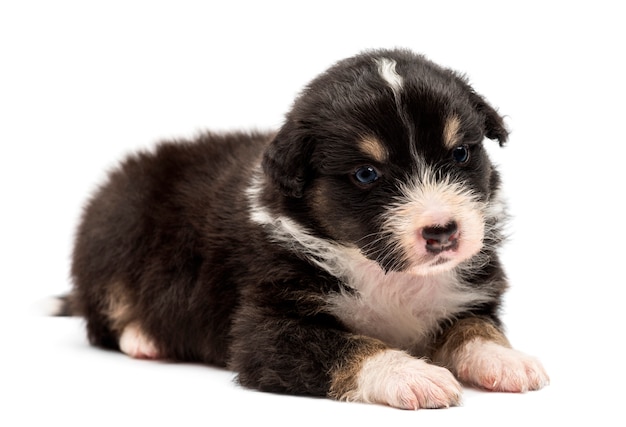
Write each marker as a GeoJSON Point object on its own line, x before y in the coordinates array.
{"type": "Point", "coordinates": [145, 235]}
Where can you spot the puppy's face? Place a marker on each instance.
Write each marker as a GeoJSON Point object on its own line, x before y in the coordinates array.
{"type": "Point", "coordinates": [384, 152]}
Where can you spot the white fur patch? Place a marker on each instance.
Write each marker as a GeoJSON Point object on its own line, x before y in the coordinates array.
{"type": "Point", "coordinates": [496, 208]}
{"type": "Point", "coordinates": [136, 344]}
{"type": "Point", "coordinates": [396, 379]}
{"type": "Point", "coordinates": [494, 367]}
{"type": "Point", "coordinates": [401, 309]}
{"type": "Point", "coordinates": [52, 306]}
{"type": "Point", "coordinates": [258, 213]}
{"type": "Point", "coordinates": [387, 70]}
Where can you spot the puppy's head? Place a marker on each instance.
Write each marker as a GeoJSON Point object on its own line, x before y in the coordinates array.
{"type": "Point", "coordinates": [384, 152]}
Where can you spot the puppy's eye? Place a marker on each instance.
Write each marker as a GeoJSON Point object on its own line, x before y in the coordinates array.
{"type": "Point", "coordinates": [366, 175]}
{"type": "Point", "coordinates": [461, 154]}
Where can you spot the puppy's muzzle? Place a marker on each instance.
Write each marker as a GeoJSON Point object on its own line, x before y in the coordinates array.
{"type": "Point", "coordinates": [441, 238]}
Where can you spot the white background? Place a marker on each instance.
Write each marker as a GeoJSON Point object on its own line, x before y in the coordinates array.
{"type": "Point", "coordinates": [82, 84]}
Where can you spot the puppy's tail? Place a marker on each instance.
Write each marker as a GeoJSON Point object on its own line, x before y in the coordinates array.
{"type": "Point", "coordinates": [61, 305]}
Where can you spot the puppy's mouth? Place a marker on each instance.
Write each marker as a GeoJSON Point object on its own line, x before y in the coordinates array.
{"type": "Point", "coordinates": [439, 262]}
{"type": "Point", "coordinates": [442, 260]}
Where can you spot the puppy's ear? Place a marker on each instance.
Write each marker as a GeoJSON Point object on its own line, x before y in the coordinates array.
{"type": "Point", "coordinates": [286, 160]}
{"type": "Point", "coordinates": [494, 123]}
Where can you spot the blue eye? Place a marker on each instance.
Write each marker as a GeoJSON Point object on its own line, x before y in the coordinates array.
{"type": "Point", "coordinates": [366, 175]}
{"type": "Point", "coordinates": [461, 154]}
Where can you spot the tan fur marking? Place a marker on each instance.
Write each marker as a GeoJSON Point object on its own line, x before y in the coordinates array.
{"type": "Point", "coordinates": [118, 306]}
{"type": "Point", "coordinates": [462, 332]}
{"type": "Point", "coordinates": [375, 149]}
{"type": "Point", "coordinates": [323, 191]}
{"type": "Point", "coordinates": [345, 375]}
{"type": "Point", "coordinates": [451, 132]}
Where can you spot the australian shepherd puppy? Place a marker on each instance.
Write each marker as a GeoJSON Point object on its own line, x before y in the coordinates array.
{"type": "Point", "coordinates": [351, 254]}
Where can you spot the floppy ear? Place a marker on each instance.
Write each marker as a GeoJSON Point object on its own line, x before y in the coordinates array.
{"type": "Point", "coordinates": [494, 123]}
{"type": "Point", "coordinates": [286, 160]}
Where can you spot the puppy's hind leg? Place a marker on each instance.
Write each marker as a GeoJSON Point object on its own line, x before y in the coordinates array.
{"type": "Point", "coordinates": [135, 343]}
{"type": "Point", "coordinates": [121, 314]}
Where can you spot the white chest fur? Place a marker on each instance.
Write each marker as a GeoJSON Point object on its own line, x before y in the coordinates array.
{"type": "Point", "coordinates": [401, 309]}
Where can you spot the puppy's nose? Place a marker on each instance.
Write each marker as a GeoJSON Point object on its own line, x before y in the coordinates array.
{"type": "Point", "coordinates": [441, 238]}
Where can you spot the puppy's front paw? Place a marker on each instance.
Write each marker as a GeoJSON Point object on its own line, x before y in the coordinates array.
{"type": "Point", "coordinates": [396, 379]}
{"type": "Point", "coordinates": [494, 367]}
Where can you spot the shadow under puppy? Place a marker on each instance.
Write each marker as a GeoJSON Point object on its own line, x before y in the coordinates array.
{"type": "Point", "coordinates": [352, 254]}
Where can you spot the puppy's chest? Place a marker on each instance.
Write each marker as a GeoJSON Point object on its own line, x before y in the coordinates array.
{"type": "Point", "coordinates": [402, 310]}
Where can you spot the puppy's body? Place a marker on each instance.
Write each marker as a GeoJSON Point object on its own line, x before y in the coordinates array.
{"type": "Point", "coordinates": [329, 258]}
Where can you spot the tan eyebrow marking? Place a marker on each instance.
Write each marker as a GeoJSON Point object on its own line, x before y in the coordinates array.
{"type": "Point", "coordinates": [451, 132]}
{"type": "Point", "coordinates": [374, 148]}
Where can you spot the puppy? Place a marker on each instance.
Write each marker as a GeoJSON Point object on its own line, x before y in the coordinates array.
{"type": "Point", "coordinates": [351, 254]}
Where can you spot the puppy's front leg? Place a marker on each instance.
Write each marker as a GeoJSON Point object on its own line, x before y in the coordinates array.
{"type": "Point", "coordinates": [393, 377]}
{"type": "Point", "coordinates": [289, 356]}
{"type": "Point", "coordinates": [479, 354]}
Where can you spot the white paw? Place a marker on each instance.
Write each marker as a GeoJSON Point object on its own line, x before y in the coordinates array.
{"type": "Point", "coordinates": [494, 367]}
{"type": "Point", "coordinates": [396, 379]}
{"type": "Point", "coordinates": [136, 344]}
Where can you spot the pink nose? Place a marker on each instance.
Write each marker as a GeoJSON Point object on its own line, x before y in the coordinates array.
{"type": "Point", "coordinates": [441, 238]}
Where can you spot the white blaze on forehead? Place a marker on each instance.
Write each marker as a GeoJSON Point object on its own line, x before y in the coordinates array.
{"type": "Point", "coordinates": [387, 70]}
